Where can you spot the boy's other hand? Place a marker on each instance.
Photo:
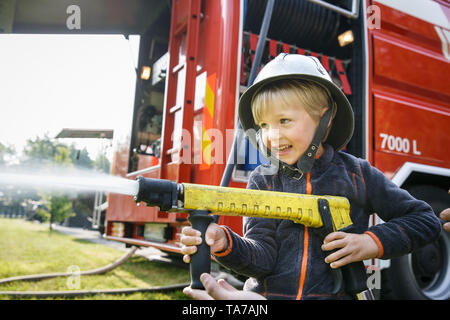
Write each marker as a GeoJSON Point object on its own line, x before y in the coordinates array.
{"type": "Point", "coordinates": [350, 247]}
{"type": "Point", "coordinates": [219, 290]}
{"type": "Point", "coordinates": [215, 237]}
{"type": "Point", "coordinates": [445, 216]}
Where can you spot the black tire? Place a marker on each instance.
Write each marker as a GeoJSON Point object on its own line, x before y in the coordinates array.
{"type": "Point", "coordinates": [425, 273]}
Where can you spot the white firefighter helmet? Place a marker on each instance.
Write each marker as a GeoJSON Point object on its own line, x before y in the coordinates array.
{"type": "Point", "coordinates": [300, 67]}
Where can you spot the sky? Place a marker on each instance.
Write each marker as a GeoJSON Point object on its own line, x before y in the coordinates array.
{"type": "Point", "coordinates": [51, 82]}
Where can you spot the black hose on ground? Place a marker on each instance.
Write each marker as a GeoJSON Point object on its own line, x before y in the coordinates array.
{"type": "Point", "coordinates": [72, 293]}
{"type": "Point", "coordinates": [102, 270]}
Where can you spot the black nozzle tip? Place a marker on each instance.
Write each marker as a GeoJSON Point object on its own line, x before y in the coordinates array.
{"type": "Point", "coordinates": [138, 197]}
{"type": "Point", "coordinates": [157, 192]}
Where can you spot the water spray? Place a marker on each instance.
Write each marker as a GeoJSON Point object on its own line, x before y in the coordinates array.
{"type": "Point", "coordinates": [69, 181]}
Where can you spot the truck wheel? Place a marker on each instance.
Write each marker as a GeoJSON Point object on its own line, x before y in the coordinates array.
{"type": "Point", "coordinates": [425, 273]}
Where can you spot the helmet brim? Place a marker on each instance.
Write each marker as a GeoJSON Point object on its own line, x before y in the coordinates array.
{"type": "Point", "coordinates": [343, 122]}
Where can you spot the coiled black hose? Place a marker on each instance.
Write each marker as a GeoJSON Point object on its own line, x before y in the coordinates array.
{"type": "Point", "coordinates": [298, 22]}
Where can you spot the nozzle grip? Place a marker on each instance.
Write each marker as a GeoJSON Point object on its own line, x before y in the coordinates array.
{"type": "Point", "coordinates": [352, 276]}
{"type": "Point", "coordinates": [201, 260]}
{"type": "Point", "coordinates": [355, 277]}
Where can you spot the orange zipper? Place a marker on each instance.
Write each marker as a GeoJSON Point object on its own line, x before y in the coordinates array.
{"type": "Point", "coordinates": [305, 245]}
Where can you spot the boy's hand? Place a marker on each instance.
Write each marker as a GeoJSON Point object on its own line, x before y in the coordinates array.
{"type": "Point", "coordinates": [445, 215]}
{"type": "Point", "coordinates": [215, 237]}
{"type": "Point", "coordinates": [350, 248]}
{"type": "Point", "coordinates": [219, 290]}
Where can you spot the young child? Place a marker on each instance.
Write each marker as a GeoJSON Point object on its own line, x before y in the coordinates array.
{"type": "Point", "coordinates": [302, 120]}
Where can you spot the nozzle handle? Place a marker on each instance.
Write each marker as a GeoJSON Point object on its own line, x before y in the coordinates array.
{"type": "Point", "coordinates": [355, 277]}
{"type": "Point", "coordinates": [352, 276]}
{"type": "Point", "coordinates": [201, 260]}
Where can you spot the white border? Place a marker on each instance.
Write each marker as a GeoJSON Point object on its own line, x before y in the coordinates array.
{"type": "Point", "coordinates": [410, 167]}
{"type": "Point", "coordinates": [444, 35]}
{"type": "Point", "coordinates": [399, 178]}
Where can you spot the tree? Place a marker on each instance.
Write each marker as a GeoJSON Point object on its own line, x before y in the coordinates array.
{"type": "Point", "coordinates": [46, 151]}
{"type": "Point", "coordinates": [11, 199]}
{"type": "Point", "coordinates": [40, 151]}
{"type": "Point", "coordinates": [80, 158]}
{"type": "Point", "coordinates": [42, 154]}
{"type": "Point", "coordinates": [60, 205]}
{"type": "Point", "coordinates": [102, 163]}
{"type": "Point", "coordinates": [43, 213]}
{"type": "Point", "coordinates": [55, 208]}
{"type": "Point", "coordinates": [62, 156]}
{"type": "Point", "coordinates": [5, 153]}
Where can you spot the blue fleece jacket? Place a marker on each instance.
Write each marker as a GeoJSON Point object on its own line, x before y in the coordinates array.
{"type": "Point", "coordinates": [284, 260]}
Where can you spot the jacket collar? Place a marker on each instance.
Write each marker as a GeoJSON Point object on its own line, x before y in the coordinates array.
{"type": "Point", "coordinates": [323, 162]}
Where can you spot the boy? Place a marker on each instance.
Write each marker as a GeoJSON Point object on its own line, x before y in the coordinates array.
{"type": "Point", "coordinates": [302, 120]}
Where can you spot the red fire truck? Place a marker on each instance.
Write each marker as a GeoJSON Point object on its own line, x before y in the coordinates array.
{"type": "Point", "coordinates": [390, 57]}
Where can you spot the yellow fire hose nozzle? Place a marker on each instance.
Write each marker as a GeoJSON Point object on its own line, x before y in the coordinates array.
{"type": "Point", "coordinates": [300, 208]}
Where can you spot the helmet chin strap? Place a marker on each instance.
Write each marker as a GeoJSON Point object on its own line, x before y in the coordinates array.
{"type": "Point", "coordinates": [306, 161]}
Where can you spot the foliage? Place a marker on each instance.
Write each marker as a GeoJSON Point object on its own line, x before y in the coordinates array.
{"type": "Point", "coordinates": [43, 214]}
{"type": "Point", "coordinates": [102, 163]}
{"type": "Point", "coordinates": [40, 151]}
{"type": "Point", "coordinates": [57, 208]}
{"type": "Point", "coordinates": [45, 153]}
{"type": "Point", "coordinates": [5, 153]}
{"type": "Point", "coordinates": [62, 156]}
{"type": "Point", "coordinates": [80, 158]}
{"type": "Point", "coordinates": [46, 150]}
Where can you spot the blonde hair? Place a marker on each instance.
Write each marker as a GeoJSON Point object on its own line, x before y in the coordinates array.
{"type": "Point", "coordinates": [313, 97]}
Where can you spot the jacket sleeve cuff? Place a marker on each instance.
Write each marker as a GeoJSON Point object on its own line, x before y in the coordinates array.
{"type": "Point", "coordinates": [378, 242]}
{"type": "Point", "coordinates": [229, 247]}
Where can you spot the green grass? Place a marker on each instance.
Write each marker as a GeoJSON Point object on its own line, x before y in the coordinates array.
{"type": "Point", "coordinates": [27, 248]}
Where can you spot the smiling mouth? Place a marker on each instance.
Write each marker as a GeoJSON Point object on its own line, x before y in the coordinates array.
{"type": "Point", "coordinates": [283, 148]}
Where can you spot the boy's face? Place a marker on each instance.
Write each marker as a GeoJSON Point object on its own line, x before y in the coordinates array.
{"type": "Point", "coordinates": [287, 132]}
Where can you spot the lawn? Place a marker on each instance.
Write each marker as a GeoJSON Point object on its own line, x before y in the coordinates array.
{"type": "Point", "coordinates": [29, 248]}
